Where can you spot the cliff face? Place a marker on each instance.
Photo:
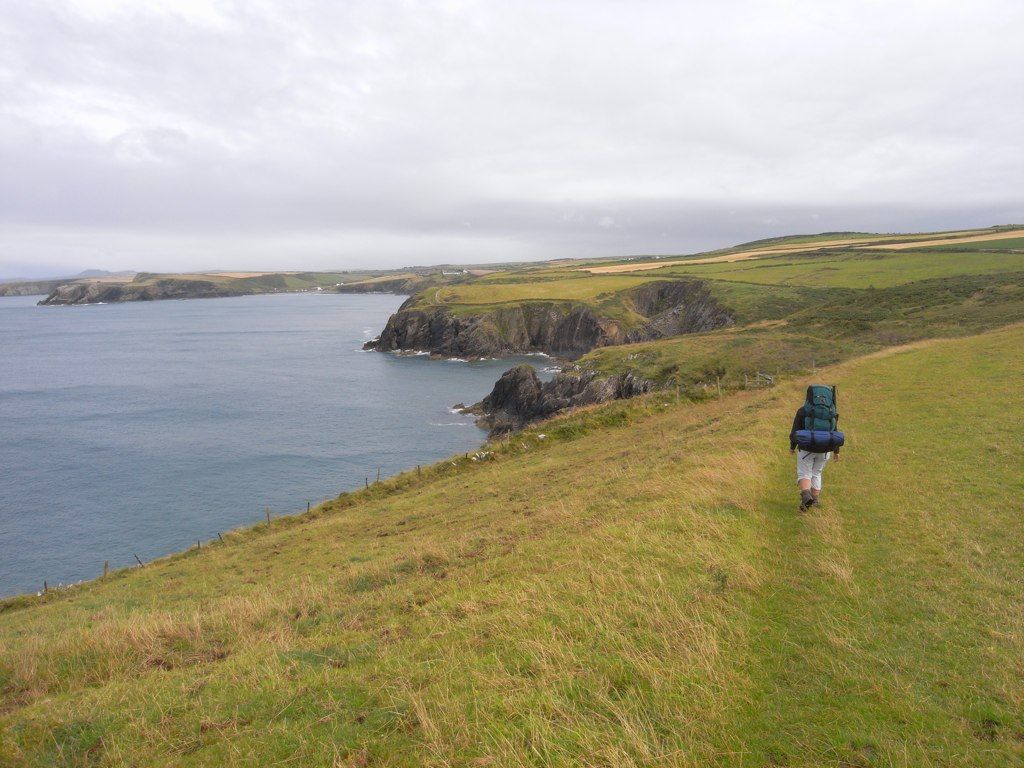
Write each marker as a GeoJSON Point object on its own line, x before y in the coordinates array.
{"type": "Point", "coordinates": [674, 307]}
{"type": "Point", "coordinates": [28, 287]}
{"type": "Point", "coordinates": [519, 397]}
{"type": "Point", "coordinates": [556, 328]}
{"type": "Point", "coordinates": [94, 293]}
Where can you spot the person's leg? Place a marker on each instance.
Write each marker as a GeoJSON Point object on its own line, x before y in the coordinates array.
{"type": "Point", "coordinates": [804, 464]}
{"type": "Point", "coordinates": [820, 460]}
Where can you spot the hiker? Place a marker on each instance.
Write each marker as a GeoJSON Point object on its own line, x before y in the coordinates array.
{"type": "Point", "coordinates": [814, 439]}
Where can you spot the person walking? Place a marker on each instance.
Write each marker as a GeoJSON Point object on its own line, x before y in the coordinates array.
{"type": "Point", "coordinates": [817, 417]}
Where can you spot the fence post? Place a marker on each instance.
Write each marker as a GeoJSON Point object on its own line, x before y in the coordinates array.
{"type": "Point", "coordinates": [267, 511]}
{"type": "Point", "coordinates": [46, 587]}
{"type": "Point", "coordinates": [307, 507]}
{"type": "Point", "coordinates": [139, 561]}
{"type": "Point", "coordinates": [106, 568]}
{"type": "Point", "coordinates": [220, 537]}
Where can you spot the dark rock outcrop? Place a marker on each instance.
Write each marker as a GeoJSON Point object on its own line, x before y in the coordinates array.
{"type": "Point", "coordinates": [560, 329]}
{"type": "Point", "coordinates": [674, 307]}
{"type": "Point", "coordinates": [563, 329]}
{"type": "Point", "coordinates": [519, 397]}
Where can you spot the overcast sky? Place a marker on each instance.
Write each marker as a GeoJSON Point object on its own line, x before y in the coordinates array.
{"type": "Point", "coordinates": [318, 133]}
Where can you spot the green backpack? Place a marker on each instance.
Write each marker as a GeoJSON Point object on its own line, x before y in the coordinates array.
{"type": "Point", "coordinates": [820, 408]}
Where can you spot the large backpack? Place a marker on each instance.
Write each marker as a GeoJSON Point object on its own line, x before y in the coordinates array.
{"type": "Point", "coordinates": [820, 412]}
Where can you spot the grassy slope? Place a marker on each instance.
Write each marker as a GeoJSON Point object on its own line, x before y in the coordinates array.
{"type": "Point", "coordinates": [854, 269]}
{"type": "Point", "coordinates": [636, 589]}
{"type": "Point", "coordinates": [822, 330]}
{"type": "Point", "coordinates": [763, 289]}
{"type": "Point", "coordinates": [1015, 243]}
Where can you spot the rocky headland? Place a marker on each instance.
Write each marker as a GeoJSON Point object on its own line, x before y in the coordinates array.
{"type": "Point", "coordinates": [558, 328]}
{"type": "Point", "coordinates": [169, 288]}
{"type": "Point", "coordinates": [562, 329]}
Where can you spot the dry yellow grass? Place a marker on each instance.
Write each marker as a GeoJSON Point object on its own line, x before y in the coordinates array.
{"type": "Point", "coordinates": [1007, 235]}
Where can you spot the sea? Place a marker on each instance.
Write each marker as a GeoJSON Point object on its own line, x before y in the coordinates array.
{"type": "Point", "coordinates": [137, 429]}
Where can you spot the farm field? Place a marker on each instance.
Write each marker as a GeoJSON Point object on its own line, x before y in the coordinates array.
{"type": "Point", "coordinates": [854, 269]}
{"type": "Point", "coordinates": [804, 244]}
{"type": "Point", "coordinates": [831, 270]}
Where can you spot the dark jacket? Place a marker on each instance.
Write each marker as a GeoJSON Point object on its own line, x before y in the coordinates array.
{"type": "Point", "coordinates": [798, 423]}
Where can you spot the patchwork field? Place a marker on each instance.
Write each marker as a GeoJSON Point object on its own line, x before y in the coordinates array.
{"type": "Point", "coordinates": [800, 244]}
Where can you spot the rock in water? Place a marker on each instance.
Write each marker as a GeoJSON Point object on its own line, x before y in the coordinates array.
{"type": "Point", "coordinates": [519, 397]}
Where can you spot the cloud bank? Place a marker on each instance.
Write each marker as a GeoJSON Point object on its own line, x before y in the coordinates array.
{"type": "Point", "coordinates": [306, 134]}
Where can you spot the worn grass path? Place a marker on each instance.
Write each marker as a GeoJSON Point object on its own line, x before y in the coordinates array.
{"type": "Point", "coordinates": [894, 631]}
{"type": "Point", "coordinates": [635, 589]}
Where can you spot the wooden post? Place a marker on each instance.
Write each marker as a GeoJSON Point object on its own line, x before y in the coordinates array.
{"type": "Point", "coordinates": [221, 538]}
{"type": "Point", "coordinates": [267, 510]}
{"type": "Point", "coordinates": [139, 561]}
{"type": "Point", "coordinates": [106, 568]}
{"type": "Point", "coordinates": [199, 544]}
{"type": "Point", "coordinates": [307, 507]}
{"type": "Point", "coordinates": [367, 482]}
{"type": "Point", "coordinates": [378, 474]}
{"type": "Point", "coordinates": [46, 587]}
{"type": "Point", "coordinates": [417, 470]}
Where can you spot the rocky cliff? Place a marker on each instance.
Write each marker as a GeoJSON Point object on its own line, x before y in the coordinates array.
{"type": "Point", "coordinates": [519, 397]}
{"type": "Point", "coordinates": [28, 287]}
{"type": "Point", "coordinates": [170, 288]}
{"type": "Point", "coordinates": [555, 328]}
{"type": "Point", "coordinates": [563, 329]}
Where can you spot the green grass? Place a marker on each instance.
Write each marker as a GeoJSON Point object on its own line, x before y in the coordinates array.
{"type": "Point", "coordinates": [578, 286]}
{"type": "Point", "coordinates": [852, 269]}
{"type": "Point", "coordinates": [636, 588]}
{"type": "Point", "coordinates": [818, 329]}
{"type": "Point", "coordinates": [1015, 243]}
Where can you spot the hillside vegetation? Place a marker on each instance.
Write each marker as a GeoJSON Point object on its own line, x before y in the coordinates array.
{"type": "Point", "coordinates": [629, 585]}
{"type": "Point", "coordinates": [817, 272]}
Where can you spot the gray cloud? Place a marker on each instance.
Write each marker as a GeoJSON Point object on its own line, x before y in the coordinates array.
{"type": "Point", "coordinates": [319, 134]}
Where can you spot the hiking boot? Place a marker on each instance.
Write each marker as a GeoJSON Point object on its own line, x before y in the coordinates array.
{"type": "Point", "coordinates": [806, 500]}
{"type": "Point", "coordinates": [813, 502]}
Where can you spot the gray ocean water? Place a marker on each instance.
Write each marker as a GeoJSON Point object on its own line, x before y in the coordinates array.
{"type": "Point", "coordinates": [139, 428]}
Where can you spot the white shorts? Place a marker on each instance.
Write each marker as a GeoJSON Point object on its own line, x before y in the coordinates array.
{"type": "Point", "coordinates": [809, 466]}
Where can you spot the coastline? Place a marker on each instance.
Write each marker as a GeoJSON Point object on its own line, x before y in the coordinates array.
{"type": "Point", "coordinates": [183, 413]}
